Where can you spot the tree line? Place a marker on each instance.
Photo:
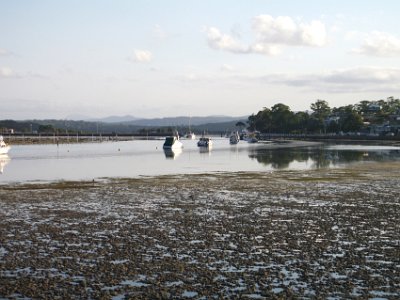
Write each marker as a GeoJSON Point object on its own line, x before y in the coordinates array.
{"type": "Point", "coordinates": [324, 119]}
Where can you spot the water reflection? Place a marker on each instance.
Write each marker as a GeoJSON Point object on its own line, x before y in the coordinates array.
{"type": "Point", "coordinates": [205, 150]}
{"type": "Point", "coordinates": [320, 157]}
{"type": "Point", "coordinates": [172, 153]}
{"type": "Point", "coordinates": [115, 159]}
{"type": "Point", "coordinates": [4, 160]}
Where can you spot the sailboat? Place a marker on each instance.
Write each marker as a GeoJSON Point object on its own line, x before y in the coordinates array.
{"type": "Point", "coordinates": [190, 135]}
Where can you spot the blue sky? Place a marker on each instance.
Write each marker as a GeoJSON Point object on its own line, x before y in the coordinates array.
{"type": "Point", "coordinates": [173, 58]}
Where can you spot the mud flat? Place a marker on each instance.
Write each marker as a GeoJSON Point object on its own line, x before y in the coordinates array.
{"type": "Point", "coordinates": [329, 233]}
{"type": "Point", "coordinates": [46, 139]}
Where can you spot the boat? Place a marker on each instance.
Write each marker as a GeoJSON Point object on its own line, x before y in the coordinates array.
{"type": "Point", "coordinates": [190, 135]}
{"type": "Point", "coordinates": [172, 142]}
{"type": "Point", "coordinates": [4, 148]}
{"type": "Point", "coordinates": [204, 142]}
{"type": "Point", "coordinates": [234, 138]}
{"type": "Point", "coordinates": [252, 138]}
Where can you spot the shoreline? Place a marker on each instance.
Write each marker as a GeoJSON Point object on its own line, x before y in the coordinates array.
{"type": "Point", "coordinates": [44, 140]}
{"type": "Point", "coordinates": [73, 139]}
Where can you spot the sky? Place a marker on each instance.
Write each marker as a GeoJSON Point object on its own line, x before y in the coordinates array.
{"type": "Point", "coordinates": [150, 59]}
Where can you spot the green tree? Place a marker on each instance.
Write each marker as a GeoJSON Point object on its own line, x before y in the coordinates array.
{"type": "Point", "coordinates": [391, 105]}
{"type": "Point", "coordinates": [363, 107]}
{"type": "Point", "coordinates": [252, 121]}
{"type": "Point", "coordinates": [282, 118]}
{"type": "Point", "coordinates": [301, 122]}
{"type": "Point", "coordinates": [46, 128]}
{"type": "Point", "coordinates": [349, 118]}
{"type": "Point", "coordinates": [240, 124]}
{"type": "Point", "coordinates": [261, 121]}
{"type": "Point", "coordinates": [321, 111]}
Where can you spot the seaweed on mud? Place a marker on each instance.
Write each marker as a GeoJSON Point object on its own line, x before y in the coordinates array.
{"type": "Point", "coordinates": [59, 185]}
{"type": "Point", "coordinates": [245, 235]}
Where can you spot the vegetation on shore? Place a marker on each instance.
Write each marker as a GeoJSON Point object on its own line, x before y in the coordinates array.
{"type": "Point", "coordinates": [365, 116]}
{"type": "Point", "coordinates": [381, 116]}
{"type": "Point", "coordinates": [70, 127]}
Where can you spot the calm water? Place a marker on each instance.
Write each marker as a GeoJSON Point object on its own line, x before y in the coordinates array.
{"type": "Point", "coordinates": [145, 158]}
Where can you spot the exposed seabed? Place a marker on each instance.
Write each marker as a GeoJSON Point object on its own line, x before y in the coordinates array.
{"type": "Point", "coordinates": [327, 233]}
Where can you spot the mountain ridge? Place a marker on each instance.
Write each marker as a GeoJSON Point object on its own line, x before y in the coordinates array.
{"type": "Point", "coordinates": [161, 125]}
{"type": "Point", "coordinates": [162, 121]}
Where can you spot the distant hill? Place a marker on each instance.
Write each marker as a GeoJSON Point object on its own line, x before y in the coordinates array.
{"type": "Point", "coordinates": [115, 119]}
{"type": "Point", "coordinates": [110, 119]}
{"type": "Point", "coordinates": [210, 124]}
{"type": "Point", "coordinates": [158, 122]}
{"type": "Point", "coordinates": [184, 121]}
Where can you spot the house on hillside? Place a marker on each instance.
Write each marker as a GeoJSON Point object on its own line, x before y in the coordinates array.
{"type": "Point", "coordinates": [374, 107]}
{"type": "Point", "coordinates": [332, 118]}
{"type": "Point", "coordinates": [395, 118]}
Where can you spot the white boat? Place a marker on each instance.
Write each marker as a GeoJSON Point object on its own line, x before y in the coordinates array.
{"type": "Point", "coordinates": [251, 138]}
{"type": "Point", "coordinates": [172, 142]}
{"type": "Point", "coordinates": [204, 142]}
{"type": "Point", "coordinates": [4, 148]}
{"type": "Point", "coordinates": [234, 138]}
{"type": "Point", "coordinates": [190, 136]}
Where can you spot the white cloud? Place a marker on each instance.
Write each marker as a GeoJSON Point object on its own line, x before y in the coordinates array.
{"type": "Point", "coordinates": [379, 44]}
{"type": "Point", "coordinates": [227, 68]}
{"type": "Point", "coordinates": [6, 72]}
{"type": "Point", "coordinates": [4, 52]}
{"type": "Point", "coordinates": [143, 56]}
{"type": "Point", "coordinates": [220, 41]}
{"type": "Point", "coordinates": [351, 35]}
{"type": "Point", "coordinates": [284, 30]}
{"type": "Point", "coordinates": [359, 79]}
{"type": "Point", "coordinates": [271, 35]}
{"type": "Point", "coordinates": [191, 77]}
{"type": "Point", "coordinates": [263, 48]}
{"type": "Point", "coordinates": [225, 42]}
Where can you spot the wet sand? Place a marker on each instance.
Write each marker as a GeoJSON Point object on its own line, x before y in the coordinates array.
{"type": "Point", "coordinates": [281, 234]}
{"type": "Point", "coordinates": [43, 140]}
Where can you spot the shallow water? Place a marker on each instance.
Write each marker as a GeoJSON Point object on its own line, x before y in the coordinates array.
{"type": "Point", "coordinates": [136, 158]}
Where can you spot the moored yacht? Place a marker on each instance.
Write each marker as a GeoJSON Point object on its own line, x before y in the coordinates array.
{"type": "Point", "coordinates": [204, 142]}
{"type": "Point", "coordinates": [172, 142]}
{"type": "Point", "coordinates": [190, 135]}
